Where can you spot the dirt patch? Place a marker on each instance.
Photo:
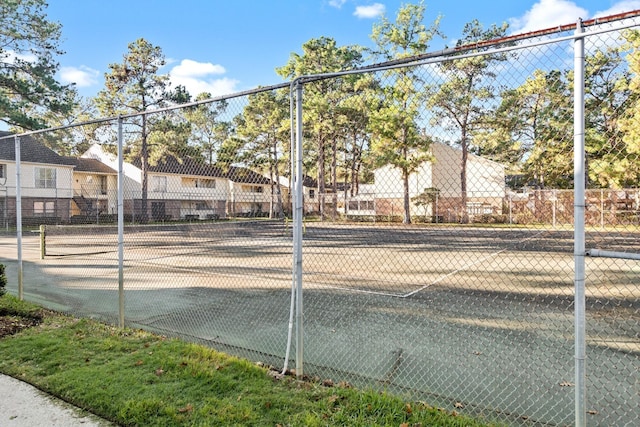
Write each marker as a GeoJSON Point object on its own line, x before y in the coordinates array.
{"type": "Point", "coordinates": [10, 325]}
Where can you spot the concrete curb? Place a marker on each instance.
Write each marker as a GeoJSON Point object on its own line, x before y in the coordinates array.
{"type": "Point", "coordinates": [23, 405]}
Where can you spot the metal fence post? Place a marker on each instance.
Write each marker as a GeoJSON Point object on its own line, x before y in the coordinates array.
{"type": "Point", "coordinates": [579, 229]}
{"type": "Point", "coordinates": [19, 217]}
{"type": "Point", "coordinates": [297, 230]}
{"type": "Point", "coordinates": [43, 241]}
{"type": "Point", "coordinates": [120, 226]}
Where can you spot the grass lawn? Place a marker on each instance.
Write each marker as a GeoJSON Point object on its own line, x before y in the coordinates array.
{"type": "Point", "coordinates": [135, 378]}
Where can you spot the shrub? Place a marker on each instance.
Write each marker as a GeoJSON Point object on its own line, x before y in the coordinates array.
{"type": "Point", "coordinates": [491, 219]}
{"type": "Point", "coordinates": [3, 280]}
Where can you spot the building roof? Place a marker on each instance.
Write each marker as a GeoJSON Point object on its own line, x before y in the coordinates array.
{"type": "Point", "coordinates": [189, 166]}
{"type": "Point", "coordinates": [308, 181]}
{"type": "Point", "coordinates": [84, 164]}
{"type": "Point", "coordinates": [30, 151]}
{"type": "Point", "coordinates": [246, 176]}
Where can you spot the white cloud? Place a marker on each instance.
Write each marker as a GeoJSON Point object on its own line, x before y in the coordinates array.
{"type": "Point", "coordinates": [620, 7]}
{"type": "Point", "coordinates": [550, 13]}
{"type": "Point", "coordinates": [337, 3]}
{"type": "Point", "coordinates": [368, 12]}
{"type": "Point", "coordinates": [546, 14]}
{"type": "Point", "coordinates": [190, 68]}
{"type": "Point", "coordinates": [197, 77]}
{"type": "Point", "coordinates": [614, 38]}
{"type": "Point", "coordinates": [82, 76]}
{"type": "Point", "coordinates": [169, 61]}
{"type": "Point", "coordinates": [10, 56]}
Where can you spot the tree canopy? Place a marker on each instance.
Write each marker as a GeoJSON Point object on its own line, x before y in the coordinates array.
{"type": "Point", "coordinates": [396, 137]}
{"type": "Point", "coordinates": [29, 43]}
{"type": "Point", "coordinates": [136, 86]}
{"type": "Point", "coordinates": [321, 102]}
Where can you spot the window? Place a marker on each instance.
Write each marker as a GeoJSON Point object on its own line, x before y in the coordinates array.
{"type": "Point", "coordinates": [158, 211]}
{"type": "Point", "coordinates": [45, 178]}
{"type": "Point", "coordinates": [477, 208]}
{"type": "Point", "coordinates": [312, 194]}
{"type": "Point", "coordinates": [201, 206]}
{"type": "Point", "coordinates": [252, 189]}
{"type": "Point", "coordinates": [103, 184]}
{"type": "Point", "coordinates": [3, 171]}
{"type": "Point", "coordinates": [206, 183]}
{"type": "Point", "coordinates": [159, 184]}
{"type": "Point", "coordinates": [363, 205]}
{"type": "Point", "coordinates": [188, 182]}
{"type": "Point", "coordinates": [43, 208]}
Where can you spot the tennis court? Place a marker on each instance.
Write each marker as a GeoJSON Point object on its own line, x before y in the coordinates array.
{"type": "Point", "coordinates": [390, 260]}
{"type": "Point", "coordinates": [477, 317]}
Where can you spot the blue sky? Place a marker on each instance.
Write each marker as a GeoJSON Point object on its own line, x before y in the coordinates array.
{"type": "Point", "coordinates": [226, 46]}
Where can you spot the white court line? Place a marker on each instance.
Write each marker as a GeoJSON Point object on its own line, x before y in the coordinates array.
{"type": "Point", "coordinates": [466, 267]}
{"type": "Point", "coordinates": [395, 295]}
{"type": "Point", "coordinates": [453, 272]}
{"type": "Point", "coordinates": [389, 294]}
{"type": "Point", "coordinates": [355, 290]}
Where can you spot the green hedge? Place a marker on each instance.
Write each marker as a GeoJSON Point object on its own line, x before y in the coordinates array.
{"type": "Point", "coordinates": [3, 281]}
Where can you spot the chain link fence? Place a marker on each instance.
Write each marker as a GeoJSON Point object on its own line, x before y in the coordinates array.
{"type": "Point", "coordinates": [434, 240]}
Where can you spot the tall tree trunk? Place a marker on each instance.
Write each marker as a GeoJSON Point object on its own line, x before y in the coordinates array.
{"type": "Point", "coordinates": [407, 205]}
{"type": "Point", "coordinates": [334, 178]}
{"type": "Point", "coordinates": [405, 179]}
{"type": "Point", "coordinates": [346, 183]}
{"type": "Point", "coordinates": [210, 154]}
{"type": "Point", "coordinates": [279, 208]}
{"type": "Point", "coordinates": [464, 219]}
{"type": "Point", "coordinates": [355, 166]}
{"type": "Point", "coordinates": [321, 175]}
{"type": "Point", "coordinates": [144, 216]}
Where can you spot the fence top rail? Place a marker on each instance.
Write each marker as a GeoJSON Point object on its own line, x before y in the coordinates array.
{"type": "Point", "coordinates": [613, 254]}
{"type": "Point", "coordinates": [553, 30]}
{"type": "Point", "coordinates": [154, 111]}
{"type": "Point", "coordinates": [471, 50]}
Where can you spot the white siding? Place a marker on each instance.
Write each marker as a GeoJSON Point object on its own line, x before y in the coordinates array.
{"type": "Point", "coordinates": [63, 188]}
{"type": "Point", "coordinates": [180, 188]}
{"type": "Point", "coordinates": [485, 178]}
{"type": "Point", "coordinates": [132, 187]}
{"type": "Point", "coordinates": [388, 181]}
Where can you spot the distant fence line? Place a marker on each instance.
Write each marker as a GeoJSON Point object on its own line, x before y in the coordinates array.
{"type": "Point", "coordinates": [604, 207]}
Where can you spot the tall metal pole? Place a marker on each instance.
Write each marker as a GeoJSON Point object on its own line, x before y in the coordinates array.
{"type": "Point", "coordinates": [297, 234]}
{"type": "Point", "coordinates": [292, 160]}
{"type": "Point", "coordinates": [579, 229]}
{"type": "Point", "coordinates": [19, 217]}
{"type": "Point", "coordinates": [120, 226]}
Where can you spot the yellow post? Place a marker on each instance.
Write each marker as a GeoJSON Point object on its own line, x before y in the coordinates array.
{"type": "Point", "coordinates": [43, 247]}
